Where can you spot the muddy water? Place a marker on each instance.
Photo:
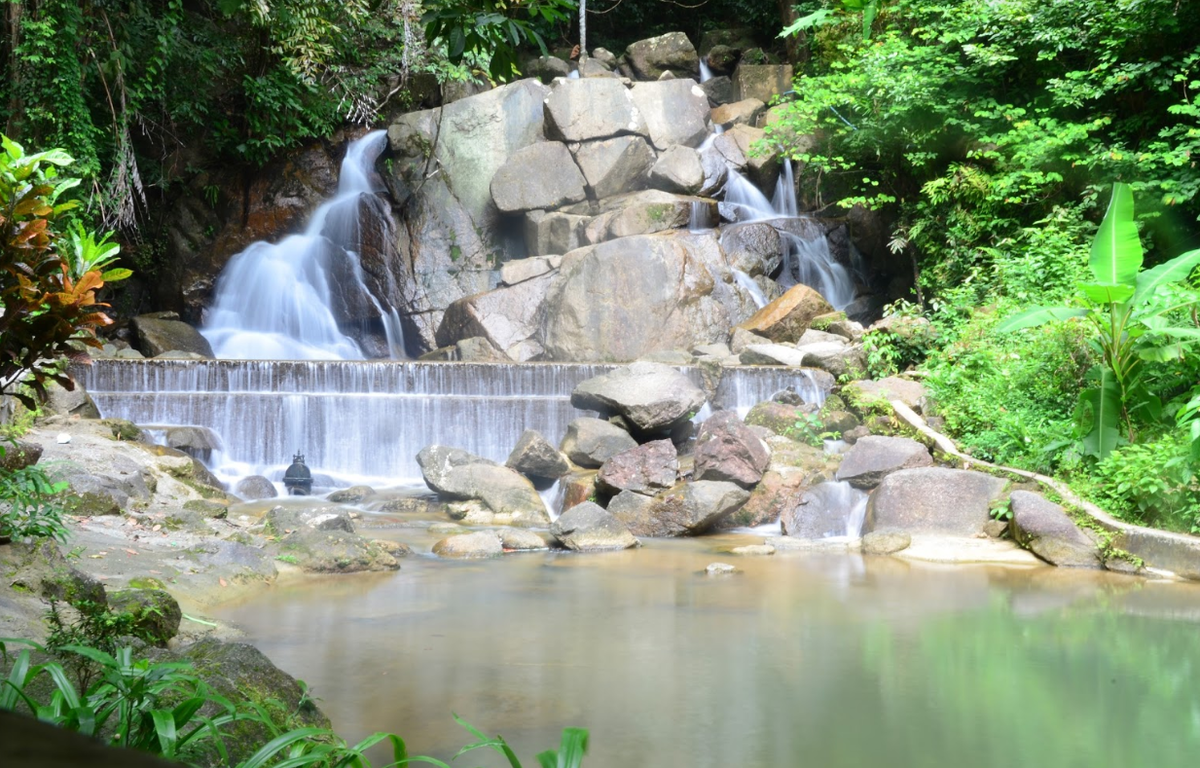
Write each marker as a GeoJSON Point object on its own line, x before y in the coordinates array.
{"type": "Point", "coordinates": [800, 659]}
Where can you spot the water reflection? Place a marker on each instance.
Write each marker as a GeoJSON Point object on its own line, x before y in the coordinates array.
{"type": "Point", "coordinates": [830, 660]}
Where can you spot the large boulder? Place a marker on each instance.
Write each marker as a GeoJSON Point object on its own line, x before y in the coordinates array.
{"type": "Point", "coordinates": [534, 456]}
{"type": "Point", "coordinates": [874, 457]}
{"type": "Point", "coordinates": [589, 109]}
{"type": "Point", "coordinates": [676, 112]}
{"type": "Point", "coordinates": [788, 317]}
{"type": "Point", "coordinates": [641, 213]}
{"type": "Point", "coordinates": [458, 475]}
{"type": "Point", "coordinates": [753, 247]}
{"type": "Point", "coordinates": [761, 81]}
{"type": "Point", "coordinates": [742, 148]}
{"type": "Point", "coordinates": [678, 170]}
{"type": "Point", "coordinates": [937, 500]}
{"type": "Point", "coordinates": [726, 449]}
{"type": "Point", "coordinates": [443, 162]}
{"type": "Point", "coordinates": [1045, 529]}
{"type": "Point", "coordinates": [672, 52]}
{"type": "Point", "coordinates": [588, 527]}
{"type": "Point", "coordinates": [826, 509]}
{"type": "Point", "coordinates": [646, 469]}
{"type": "Point", "coordinates": [652, 396]}
{"type": "Point", "coordinates": [541, 176]}
{"type": "Point", "coordinates": [335, 551]}
{"type": "Point", "coordinates": [616, 165]}
{"type": "Point", "coordinates": [624, 299]}
{"type": "Point", "coordinates": [745, 112]}
{"type": "Point", "coordinates": [591, 442]}
{"type": "Point", "coordinates": [836, 357]}
{"type": "Point", "coordinates": [508, 317]}
{"type": "Point", "coordinates": [777, 491]}
{"type": "Point", "coordinates": [156, 335]}
{"type": "Point", "coordinates": [553, 233]}
{"type": "Point", "coordinates": [255, 487]}
{"type": "Point", "coordinates": [153, 613]}
{"type": "Point", "coordinates": [685, 510]}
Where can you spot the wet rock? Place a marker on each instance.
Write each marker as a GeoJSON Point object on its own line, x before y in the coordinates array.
{"type": "Point", "coordinates": [521, 540]}
{"type": "Point", "coordinates": [254, 487]}
{"type": "Point", "coordinates": [588, 527]}
{"type": "Point", "coordinates": [678, 170]}
{"type": "Point", "coordinates": [822, 511]}
{"type": "Point", "coordinates": [761, 81]}
{"type": "Point", "coordinates": [875, 457]}
{"type": "Point", "coordinates": [787, 318]}
{"type": "Point", "coordinates": [885, 542]}
{"type": "Point", "coordinates": [156, 336]}
{"type": "Point", "coordinates": [538, 176]}
{"type": "Point", "coordinates": [911, 393]}
{"type": "Point", "coordinates": [155, 614]}
{"type": "Point", "coordinates": [753, 247]}
{"type": "Point", "coordinates": [355, 494]}
{"type": "Point", "coordinates": [1044, 528]}
{"type": "Point", "coordinates": [688, 509]}
{"type": "Point", "coordinates": [934, 500]}
{"type": "Point", "coordinates": [590, 442]}
{"type": "Point", "coordinates": [283, 520]}
{"type": "Point", "coordinates": [745, 112]}
{"type": "Point", "coordinates": [334, 551]}
{"type": "Point", "coordinates": [718, 89]}
{"type": "Point", "coordinates": [460, 475]}
{"type": "Point", "coordinates": [753, 549]}
{"type": "Point", "coordinates": [614, 166]}
{"type": "Point", "coordinates": [726, 449]}
{"type": "Point", "coordinates": [646, 469]}
{"type": "Point", "coordinates": [596, 108]}
{"type": "Point", "coordinates": [742, 148]}
{"type": "Point", "coordinates": [579, 486]}
{"type": "Point", "coordinates": [470, 545]}
{"type": "Point", "coordinates": [676, 112]}
{"type": "Point", "coordinates": [534, 456]}
{"type": "Point", "coordinates": [652, 396]}
{"type": "Point", "coordinates": [672, 52]}
{"type": "Point", "coordinates": [716, 170]}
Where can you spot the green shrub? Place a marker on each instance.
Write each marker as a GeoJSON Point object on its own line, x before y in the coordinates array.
{"type": "Point", "coordinates": [1151, 483]}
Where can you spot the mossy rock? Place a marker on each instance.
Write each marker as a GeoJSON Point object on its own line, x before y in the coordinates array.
{"type": "Point", "coordinates": [822, 322]}
{"type": "Point", "coordinates": [213, 508]}
{"type": "Point", "coordinates": [124, 430]}
{"type": "Point", "coordinates": [41, 568]}
{"type": "Point", "coordinates": [777, 417]}
{"type": "Point", "coordinates": [146, 582]}
{"type": "Point", "coordinates": [156, 615]}
{"type": "Point", "coordinates": [335, 551]}
{"type": "Point", "coordinates": [185, 520]}
{"type": "Point", "coordinates": [89, 504]}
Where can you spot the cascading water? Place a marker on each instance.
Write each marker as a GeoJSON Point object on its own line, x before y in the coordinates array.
{"type": "Point", "coordinates": [751, 287]}
{"type": "Point", "coordinates": [276, 300]}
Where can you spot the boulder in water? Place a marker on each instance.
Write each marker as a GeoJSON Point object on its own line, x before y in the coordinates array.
{"type": "Point", "coordinates": [885, 542]}
{"type": "Point", "coordinates": [676, 112]}
{"type": "Point", "coordinates": [540, 176]}
{"type": "Point", "coordinates": [689, 509]}
{"type": "Point", "coordinates": [737, 146]}
{"type": "Point", "coordinates": [875, 457]}
{"type": "Point", "coordinates": [822, 511]}
{"type": "Point", "coordinates": [460, 475]}
{"type": "Point", "coordinates": [585, 110]}
{"type": "Point", "coordinates": [534, 456]}
{"type": "Point", "coordinates": [672, 52]}
{"type": "Point", "coordinates": [591, 442]}
{"type": "Point", "coordinates": [753, 247]}
{"type": "Point", "coordinates": [255, 487]}
{"type": "Point", "coordinates": [470, 546]}
{"type": "Point", "coordinates": [652, 396]}
{"type": "Point", "coordinates": [787, 318]}
{"type": "Point", "coordinates": [646, 469]}
{"type": "Point", "coordinates": [726, 449]}
{"type": "Point", "coordinates": [953, 502]}
{"type": "Point", "coordinates": [1044, 529]}
{"type": "Point", "coordinates": [588, 527]}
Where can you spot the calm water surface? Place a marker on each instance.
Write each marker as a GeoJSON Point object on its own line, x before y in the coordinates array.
{"type": "Point", "coordinates": [800, 660]}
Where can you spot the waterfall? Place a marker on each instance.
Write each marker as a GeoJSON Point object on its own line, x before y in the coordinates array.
{"type": "Point", "coordinates": [746, 201]}
{"type": "Point", "coordinates": [750, 287]}
{"type": "Point", "coordinates": [705, 72]}
{"type": "Point", "coordinates": [784, 200]}
{"type": "Point", "coordinates": [278, 300]}
{"type": "Point", "coordinates": [365, 422]}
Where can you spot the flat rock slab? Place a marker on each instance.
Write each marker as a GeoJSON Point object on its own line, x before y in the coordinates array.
{"type": "Point", "coordinates": [952, 502]}
{"type": "Point", "coordinates": [874, 457]}
{"type": "Point", "coordinates": [587, 109]}
{"type": "Point", "coordinates": [1044, 528]}
{"type": "Point", "coordinates": [932, 548]}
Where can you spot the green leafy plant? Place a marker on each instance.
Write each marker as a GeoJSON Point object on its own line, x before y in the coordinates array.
{"type": "Point", "coordinates": [1134, 315]}
{"type": "Point", "coordinates": [810, 430]}
{"type": "Point", "coordinates": [29, 507]}
{"type": "Point", "coordinates": [492, 27]}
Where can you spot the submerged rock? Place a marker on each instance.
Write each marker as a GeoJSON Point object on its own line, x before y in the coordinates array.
{"type": "Point", "coordinates": [588, 527]}
{"type": "Point", "coordinates": [457, 474]}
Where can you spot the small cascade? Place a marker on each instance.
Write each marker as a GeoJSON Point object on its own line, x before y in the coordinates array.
{"type": "Point", "coordinates": [842, 511]}
{"type": "Point", "coordinates": [745, 201]}
{"type": "Point", "coordinates": [699, 218]}
{"type": "Point", "coordinates": [364, 422]}
{"type": "Point", "coordinates": [751, 287]}
{"type": "Point", "coordinates": [277, 300]}
{"type": "Point", "coordinates": [808, 260]}
{"type": "Point", "coordinates": [553, 497]}
{"type": "Point", "coordinates": [783, 201]}
{"type": "Point", "coordinates": [705, 72]}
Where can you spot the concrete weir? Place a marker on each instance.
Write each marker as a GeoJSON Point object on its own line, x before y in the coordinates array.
{"type": "Point", "coordinates": [365, 421]}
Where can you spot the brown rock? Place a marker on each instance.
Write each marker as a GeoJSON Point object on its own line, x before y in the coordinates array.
{"type": "Point", "coordinates": [787, 318]}
{"type": "Point", "coordinates": [726, 449]}
{"type": "Point", "coordinates": [646, 469]}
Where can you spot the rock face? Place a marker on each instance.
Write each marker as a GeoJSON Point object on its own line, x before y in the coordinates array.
{"type": "Point", "coordinates": [459, 475]}
{"type": "Point", "coordinates": [591, 442]}
{"type": "Point", "coordinates": [761, 81]}
{"type": "Point", "coordinates": [624, 299]}
{"type": "Point", "coordinates": [726, 449]}
{"type": "Point", "coordinates": [534, 456]}
{"type": "Point", "coordinates": [685, 510]}
{"type": "Point", "coordinates": [1044, 528]}
{"type": "Point", "coordinates": [158, 335]}
{"type": "Point", "coordinates": [588, 527]}
{"type": "Point", "coordinates": [789, 316]}
{"type": "Point", "coordinates": [672, 52]}
{"type": "Point", "coordinates": [875, 457]}
{"type": "Point", "coordinates": [678, 170]}
{"type": "Point", "coordinates": [822, 511]}
{"type": "Point", "coordinates": [537, 177]}
{"type": "Point", "coordinates": [646, 469]}
{"type": "Point", "coordinates": [652, 396]}
{"type": "Point", "coordinates": [934, 500]}
{"type": "Point", "coordinates": [585, 110]}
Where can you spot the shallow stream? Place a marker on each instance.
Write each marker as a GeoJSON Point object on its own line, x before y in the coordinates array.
{"type": "Point", "coordinates": [801, 659]}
